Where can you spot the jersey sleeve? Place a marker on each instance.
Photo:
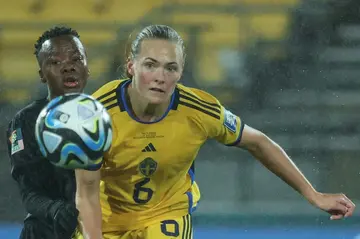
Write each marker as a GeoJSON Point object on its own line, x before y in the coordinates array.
{"type": "Point", "coordinates": [224, 126]}
{"type": "Point", "coordinates": [22, 147]}
{"type": "Point", "coordinates": [28, 168]}
{"type": "Point", "coordinates": [227, 130]}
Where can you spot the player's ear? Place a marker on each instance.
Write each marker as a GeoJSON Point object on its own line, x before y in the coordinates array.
{"type": "Point", "coordinates": [181, 71]}
{"type": "Point", "coordinates": [87, 66]}
{"type": "Point", "coordinates": [43, 80]}
{"type": "Point", "coordinates": [130, 67]}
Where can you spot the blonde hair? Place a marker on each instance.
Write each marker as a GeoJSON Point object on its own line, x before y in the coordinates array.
{"type": "Point", "coordinates": [153, 32]}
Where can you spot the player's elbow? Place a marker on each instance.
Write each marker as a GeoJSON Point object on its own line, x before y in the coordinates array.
{"type": "Point", "coordinates": [87, 183]}
{"type": "Point", "coordinates": [88, 199]}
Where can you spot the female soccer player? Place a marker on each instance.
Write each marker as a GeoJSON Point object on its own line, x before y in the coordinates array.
{"type": "Point", "coordinates": [47, 191]}
{"type": "Point", "coordinates": [146, 186]}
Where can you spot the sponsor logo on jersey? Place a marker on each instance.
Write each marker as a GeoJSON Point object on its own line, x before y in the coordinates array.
{"type": "Point", "coordinates": [149, 148]}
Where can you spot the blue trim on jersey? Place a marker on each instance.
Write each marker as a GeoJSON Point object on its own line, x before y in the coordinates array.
{"type": "Point", "coordinates": [189, 194]}
{"type": "Point", "coordinates": [192, 176]}
{"type": "Point", "coordinates": [237, 141]}
{"type": "Point", "coordinates": [190, 197]}
{"type": "Point", "coordinates": [194, 208]}
{"type": "Point", "coordinates": [123, 87]}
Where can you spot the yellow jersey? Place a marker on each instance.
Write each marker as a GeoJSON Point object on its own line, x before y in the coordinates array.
{"type": "Point", "coordinates": [148, 173]}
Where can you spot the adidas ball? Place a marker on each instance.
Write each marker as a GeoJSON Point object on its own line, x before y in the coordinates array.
{"type": "Point", "coordinates": [73, 131]}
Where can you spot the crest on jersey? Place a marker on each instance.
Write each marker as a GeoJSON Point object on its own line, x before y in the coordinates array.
{"type": "Point", "coordinates": [148, 167]}
{"type": "Point", "coordinates": [230, 121]}
{"type": "Point", "coordinates": [17, 142]}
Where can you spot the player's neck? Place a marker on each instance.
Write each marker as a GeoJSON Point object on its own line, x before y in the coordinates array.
{"type": "Point", "coordinates": [50, 96]}
{"type": "Point", "coordinates": [142, 109]}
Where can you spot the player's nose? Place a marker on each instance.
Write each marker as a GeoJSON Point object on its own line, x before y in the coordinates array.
{"type": "Point", "coordinates": [68, 68]}
{"type": "Point", "coordinates": [160, 75]}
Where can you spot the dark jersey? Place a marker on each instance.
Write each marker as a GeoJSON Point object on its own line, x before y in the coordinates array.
{"type": "Point", "coordinates": [41, 184]}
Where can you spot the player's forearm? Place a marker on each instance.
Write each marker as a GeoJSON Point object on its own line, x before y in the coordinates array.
{"type": "Point", "coordinates": [88, 204]}
{"type": "Point", "coordinates": [36, 204]}
{"type": "Point", "coordinates": [272, 156]}
{"type": "Point", "coordinates": [35, 201]}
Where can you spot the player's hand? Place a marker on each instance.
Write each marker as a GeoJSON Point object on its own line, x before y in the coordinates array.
{"type": "Point", "coordinates": [337, 205]}
{"type": "Point", "coordinates": [65, 220]}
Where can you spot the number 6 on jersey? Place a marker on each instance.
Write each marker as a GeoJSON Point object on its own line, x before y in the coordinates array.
{"type": "Point", "coordinates": [143, 194]}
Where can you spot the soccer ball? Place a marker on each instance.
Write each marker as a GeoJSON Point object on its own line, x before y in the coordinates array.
{"type": "Point", "coordinates": [73, 131]}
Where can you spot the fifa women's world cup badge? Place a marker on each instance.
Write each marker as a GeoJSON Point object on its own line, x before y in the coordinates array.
{"type": "Point", "coordinates": [230, 121]}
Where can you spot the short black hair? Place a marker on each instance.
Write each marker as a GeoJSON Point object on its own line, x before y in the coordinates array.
{"type": "Point", "coordinates": [54, 32]}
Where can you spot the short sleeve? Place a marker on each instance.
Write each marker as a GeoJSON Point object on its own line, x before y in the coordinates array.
{"type": "Point", "coordinates": [228, 129]}
{"type": "Point", "coordinates": [218, 122]}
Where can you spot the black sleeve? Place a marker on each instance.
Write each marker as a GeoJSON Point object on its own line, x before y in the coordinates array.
{"type": "Point", "coordinates": [29, 169]}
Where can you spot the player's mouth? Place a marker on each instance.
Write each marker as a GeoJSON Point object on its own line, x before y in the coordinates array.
{"type": "Point", "coordinates": [71, 82]}
{"type": "Point", "coordinates": [157, 90]}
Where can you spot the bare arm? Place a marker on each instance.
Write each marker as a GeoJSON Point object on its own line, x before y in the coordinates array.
{"type": "Point", "coordinates": [272, 156]}
{"type": "Point", "coordinates": [88, 203]}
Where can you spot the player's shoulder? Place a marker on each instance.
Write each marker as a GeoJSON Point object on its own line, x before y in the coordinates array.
{"type": "Point", "coordinates": [206, 110]}
{"type": "Point", "coordinates": [24, 121]}
{"type": "Point", "coordinates": [30, 112]}
{"type": "Point", "coordinates": [197, 94]}
{"type": "Point", "coordinates": [198, 103]}
{"type": "Point", "coordinates": [107, 89]}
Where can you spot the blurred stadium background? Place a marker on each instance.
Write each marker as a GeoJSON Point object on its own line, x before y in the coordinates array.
{"type": "Point", "coordinates": [287, 67]}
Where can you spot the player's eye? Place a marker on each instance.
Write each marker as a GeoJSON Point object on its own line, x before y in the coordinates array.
{"type": "Point", "coordinates": [172, 68]}
{"type": "Point", "coordinates": [55, 62]}
{"type": "Point", "coordinates": [77, 58]}
{"type": "Point", "coordinates": [149, 65]}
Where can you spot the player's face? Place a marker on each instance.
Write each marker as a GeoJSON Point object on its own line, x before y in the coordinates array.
{"type": "Point", "coordinates": [156, 70]}
{"type": "Point", "coordinates": [63, 65]}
